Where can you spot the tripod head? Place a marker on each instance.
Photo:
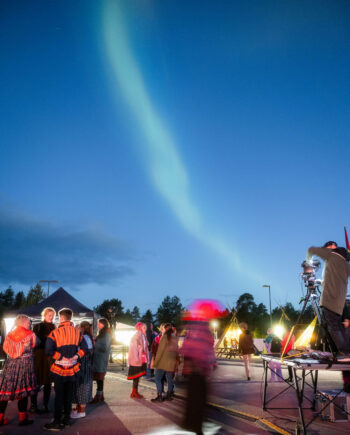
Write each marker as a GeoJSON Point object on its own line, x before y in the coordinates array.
{"type": "Point", "coordinates": [309, 275]}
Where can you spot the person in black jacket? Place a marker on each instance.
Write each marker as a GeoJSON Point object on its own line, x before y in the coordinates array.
{"type": "Point", "coordinates": [246, 347]}
{"type": "Point", "coordinates": [41, 360]}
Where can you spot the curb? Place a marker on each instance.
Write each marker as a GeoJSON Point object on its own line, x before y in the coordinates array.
{"type": "Point", "coordinates": [265, 424]}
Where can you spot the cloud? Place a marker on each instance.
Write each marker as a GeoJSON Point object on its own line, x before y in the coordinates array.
{"type": "Point", "coordinates": [33, 250]}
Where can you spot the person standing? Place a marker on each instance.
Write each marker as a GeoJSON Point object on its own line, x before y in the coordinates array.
{"type": "Point", "coordinates": [82, 392]}
{"type": "Point", "coordinates": [137, 358]}
{"type": "Point", "coordinates": [246, 347]}
{"type": "Point", "coordinates": [17, 380]}
{"type": "Point", "coordinates": [334, 288]}
{"type": "Point", "coordinates": [100, 358]}
{"type": "Point", "coordinates": [151, 335]}
{"type": "Point", "coordinates": [66, 346]}
{"type": "Point", "coordinates": [41, 360]}
{"type": "Point", "coordinates": [165, 363]}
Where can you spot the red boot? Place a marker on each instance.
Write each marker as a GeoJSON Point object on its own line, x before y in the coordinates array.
{"type": "Point", "coordinates": [3, 420]}
{"type": "Point", "coordinates": [135, 394]}
{"type": "Point", "coordinates": [23, 419]}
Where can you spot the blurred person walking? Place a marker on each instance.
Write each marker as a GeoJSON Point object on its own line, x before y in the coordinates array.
{"type": "Point", "coordinates": [82, 392]}
{"type": "Point", "coordinates": [165, 363]}
{"type": "Point", "coordinates": [41, 360]}
{"type": "Point", "coordinates": [17, 380]}
{"type": "Point", "coordinates": [137, 358]}
{"type": "Point", "coordinates": [200, 360]}
{"type": "Point", "coordinates": [100, 358]}
{"type": "Point", "coordinates": [246, 347]}
{"type": "Point", "coordinates": [66, 346]}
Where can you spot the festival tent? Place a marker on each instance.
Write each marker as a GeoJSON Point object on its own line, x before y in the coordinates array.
{"type": "Point", "coordinates": [57, 300]}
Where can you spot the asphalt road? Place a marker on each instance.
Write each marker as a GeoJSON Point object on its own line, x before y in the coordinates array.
{"type": "Point", "coordinates": [229, 388]}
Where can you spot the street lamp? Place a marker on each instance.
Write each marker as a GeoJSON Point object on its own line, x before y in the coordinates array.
{"type": "Point", "coordinates": [267, 286]}
{"type": "Point", "coordinates": [48, 286]}
{"type": "Point", "coordinates": [215, 324]}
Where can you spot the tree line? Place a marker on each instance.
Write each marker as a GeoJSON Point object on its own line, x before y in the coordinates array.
{"type": "Point", "coordinates": [9, 300]}
{"type": "Point", "coordinates": [170, 310]}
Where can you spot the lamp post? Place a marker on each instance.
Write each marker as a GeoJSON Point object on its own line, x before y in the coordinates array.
{"type": "Point", "coordinates": [269, 287]}
{"type": "Point", "coordinates": [215, 324]}
{"type": "Point", "coordinates": [48, 286]}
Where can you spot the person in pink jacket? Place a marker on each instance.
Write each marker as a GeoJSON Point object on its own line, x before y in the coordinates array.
{"type": "Point", "coordinates": [138, 358]}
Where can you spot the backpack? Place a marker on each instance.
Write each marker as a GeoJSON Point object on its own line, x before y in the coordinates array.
{"type": "Point", "coordinates": [276, 346]}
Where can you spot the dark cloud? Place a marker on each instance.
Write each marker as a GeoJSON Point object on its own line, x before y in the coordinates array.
{"type": "Point", "coordinates": [31, 250]}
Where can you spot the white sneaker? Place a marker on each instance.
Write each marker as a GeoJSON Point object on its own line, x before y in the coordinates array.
{"type": "Point", "coordinates": [76, 414]}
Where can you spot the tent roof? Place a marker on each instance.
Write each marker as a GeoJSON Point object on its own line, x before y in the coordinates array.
{"type": "Point", "coordinates": [57, 300]}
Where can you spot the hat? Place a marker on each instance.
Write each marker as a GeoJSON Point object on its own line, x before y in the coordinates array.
{"type": "Point", "coordinates": [330, 243]}
{"type": "Point", "coordinates": [343, 252]}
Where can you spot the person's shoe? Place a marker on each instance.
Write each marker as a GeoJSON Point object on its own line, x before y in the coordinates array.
{"type": "Point", "coordinates": [248, 378]}
{"type": "Point", "coordinates": [159, 398]}
{"type": "Point", "coordinates": [76, 414]}
{"type": "Point", "coordinates": [54, 426]}
{"type": "Point", "coordinates": [66, 421]}
{"type": "Point", "coordinates": [3, 421]}
{"type": "Point", "coordinates": [169, 396]}
{"type": "Point", "coordinates": [96, 399]}
{"type": "Point", "coordinates": [24, 420]}
{"type": "Point", "coordinates": [135, 394]}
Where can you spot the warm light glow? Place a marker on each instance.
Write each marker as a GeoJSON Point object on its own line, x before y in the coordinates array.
{"type": "Point", "coordinates": [124, 336]}
{"type": "Point", "coordinates": [214, 324]}
{"type": "Point", "coordinates": [9, 323]}
{"type": "Point", "coordinates": [279, 331]}
{"type": "Point", "coordinates": [232, 334]}
{"type": "Point", "coordinates": [305, 338]}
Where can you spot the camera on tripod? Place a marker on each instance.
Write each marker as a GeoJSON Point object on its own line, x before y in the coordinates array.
{"type": "Point", "coordinates": [309, 273]}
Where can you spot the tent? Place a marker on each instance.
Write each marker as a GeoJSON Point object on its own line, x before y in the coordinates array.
{"type": "Point", "coordinates": [57, 300]}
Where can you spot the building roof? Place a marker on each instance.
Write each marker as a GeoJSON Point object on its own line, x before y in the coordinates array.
{"type": "Point", "coordinates": [57, 300]}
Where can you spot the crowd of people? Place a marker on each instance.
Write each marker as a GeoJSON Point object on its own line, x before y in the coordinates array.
{"type": "Point", "coordinates": [67, 356]}
{"type": "Point", "coordinates": [71, 358]}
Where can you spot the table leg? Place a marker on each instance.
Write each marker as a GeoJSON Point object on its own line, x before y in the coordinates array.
{"type": "Point", "coordinates": [266, 365]}
{"type": "Point", "coordinates": [299, 397]}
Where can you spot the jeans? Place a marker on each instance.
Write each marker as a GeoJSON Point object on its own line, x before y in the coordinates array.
{"type": "Point", "coordinates": [169, 378]}
{"type": "Point", "coordinates": [149, 370]}
{"type": "Point", "coordinates": [336, 330]}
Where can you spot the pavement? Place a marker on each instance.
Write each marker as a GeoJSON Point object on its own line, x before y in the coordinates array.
{"type": "Point", "coordinates": [235, 407]}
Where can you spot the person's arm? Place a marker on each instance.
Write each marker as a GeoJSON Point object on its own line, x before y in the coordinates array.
{"type": "Point", "coordinates": [51, 348]}
{"type": "Point", "coordinates": [160, 351]}
{"type": "Point", "coordinates": [323, 253]}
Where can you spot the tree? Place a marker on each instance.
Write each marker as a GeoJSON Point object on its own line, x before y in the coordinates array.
{"type": "Point", "coordinates": [20, 300]}
{"type": "Point", "coordinates": [7, 298]}
{"type": "Point", "coordinates": [147, 317]}
{"type": "Point", "coordinates": [135, 313]}
{"type": "Point", "coordinates": [35, 295]}
{"type": "Point", "coordinates": [127, 318]}
{"type": "Point", "coordinates": [170, 311]}
{"type": "Point", "coordinates": [111, 309]}
{"type": "Point", "coordinates": [254, 315]}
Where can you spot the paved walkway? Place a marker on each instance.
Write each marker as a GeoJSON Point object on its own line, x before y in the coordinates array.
{"type": "Point", "coordinates": [122, 415]}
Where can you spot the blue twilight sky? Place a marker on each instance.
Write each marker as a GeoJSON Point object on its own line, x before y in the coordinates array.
{"type": "Point", "coordinates": [153, 148]}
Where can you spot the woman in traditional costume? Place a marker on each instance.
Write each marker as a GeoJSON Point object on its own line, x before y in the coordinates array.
{"type": "Point", "coordinates": [17, 380]}
{"type": "Point", "coordinates": [41, 360]}
{"type": "Point", "coordinates": [82, 392]}
{"type": "Point", "coordinates": [138, 358]}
